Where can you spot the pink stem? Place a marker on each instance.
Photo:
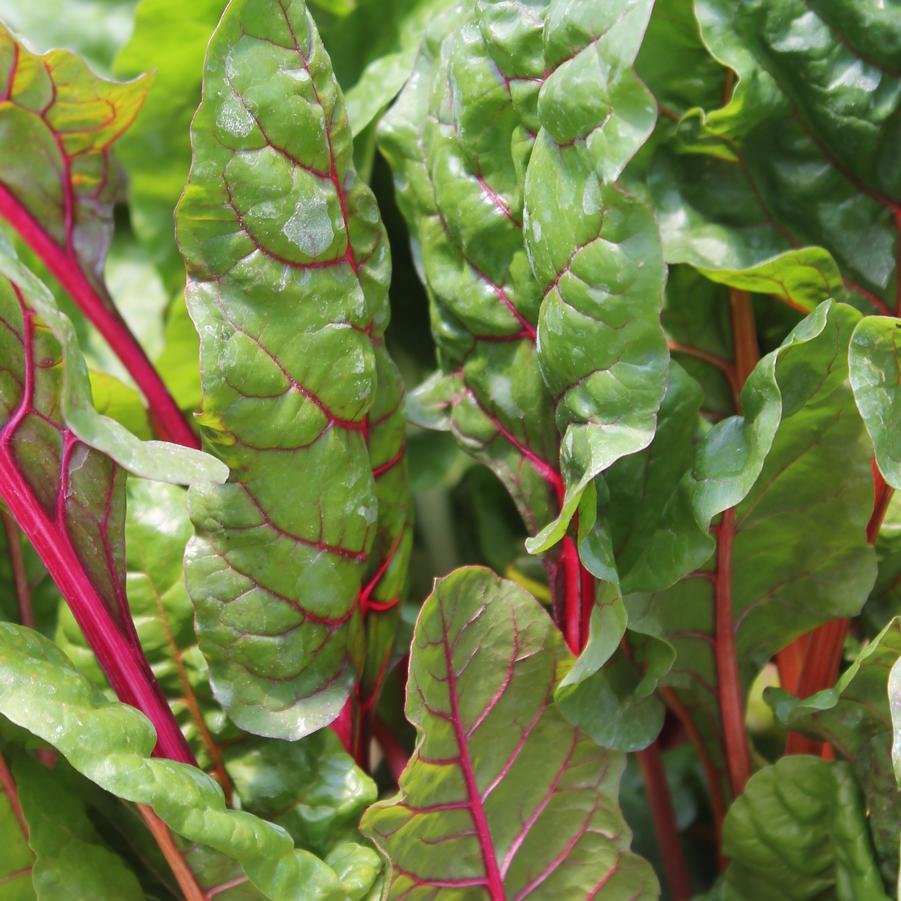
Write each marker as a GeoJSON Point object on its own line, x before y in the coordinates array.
{"type": "Point", "coordinates": [168, 420]}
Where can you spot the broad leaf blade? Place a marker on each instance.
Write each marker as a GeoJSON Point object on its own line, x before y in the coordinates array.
{"type": "Point", "coordinates": [62, 475]}
{"type": "Point", "coordinates": [16, 857]}
{"type": "Point", "coordinates": [799, 417]}
{"type": "Point", "coordinates": [797, 159]}
{"type": "Point", "coordinates": [288, 268]}
{"type": "Point", "coordinates": [110, 744]}
{"type": "Point", "coordinates": [58, 185]}
{"type": "Point", "coordinates": [70, 857]}
{"type": "Point", "coordinates": [799, 831]}
{"type": "Point", "coordinates": [502, 798]}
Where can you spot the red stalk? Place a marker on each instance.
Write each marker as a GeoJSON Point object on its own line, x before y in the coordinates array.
{"type": "Point", "coordinates": [661, 804]}
{"type": "Point", "coordinates": [183, 874]}
{"type": "Point", "coordinates": [731, 700]}
{"type": "Point", "coordinates": [20, 577]}
{"type": "Point", "coordinates": [168, 420]}
{"type": "Point", "coordinates": [121, 659]}
{"type": "Point", "coordinates": [826, 643]}
{"type": "Point", "coordinates": [394, 753]}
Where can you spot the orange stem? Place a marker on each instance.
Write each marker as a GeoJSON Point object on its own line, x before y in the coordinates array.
{"type": "Point", "coordinates": [183, 874]}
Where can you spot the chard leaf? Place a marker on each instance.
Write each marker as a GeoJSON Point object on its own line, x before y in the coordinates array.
{"type": "Point", "coordinates": [594, 249]}
{"type": "Point", "coordinates": [477, 148]}
{"type": "Point", "coordinates": [798, 159]}
{"type": "Point", "coordinates": [62, 475]}
{"type": "Point", "coordinates": [59, 113]}
{"type": "Point", "coordinates": [855, 718]}
{"type": "Point", "coordinates": [110, 744]}
{"type": "Point", "coordinates": [799, 418]}
{"type": "Point", "coordinates": [502, 797]}
{"type": "Point", "coordinates": [799, 831]}
{"type": "Point", "coordinates": [169, 39]}
{"type": "Point", "coordinates": [16, 856]}
{"type": "Point", "coordinates": [70, 858]}
{"type": "Point", "coordinates": [288, 268]}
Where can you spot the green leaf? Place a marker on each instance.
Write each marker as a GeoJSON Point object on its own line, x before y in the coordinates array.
{"type": "Point", "coordinates": [155, 460]}
{"type": "Point", "coordinates": [502, 798]}
{"type": "Point", "coordinates": [594, 250]}
{"type": "Point", "coordinates": [110, 744]}
{"type": "Point", "coordinates": [70, 858]}
{"type": "Point", "coordinates": [58, 186]}
{"type": "Point", "coordinates": [799, 831]}
{"type": "Point", "coordinates": [855, 717]}
{"type": "Point", "coordinates": [798, 553]}
{"type": "Point", "coordinates": [288, 268]}
{"type": "Point", "coordinates": [311, 788]}
{"type": "Point", "coordinates": [791, 182]}
{"type": "Point", "coordinates": [169, 39]}
{"type": "Point", "coordinates": [873, 362]}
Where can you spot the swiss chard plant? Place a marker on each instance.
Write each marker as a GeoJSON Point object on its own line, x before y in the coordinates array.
{"type": "Point", "coordinates": [448, 449]}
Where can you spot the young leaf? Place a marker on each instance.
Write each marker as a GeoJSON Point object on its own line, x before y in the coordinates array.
{"type": "Point", "coordinates": [799, 831]}
{"type": "Point", "coordinates": [288, 269]}
{"type": "Point", "coordinates": [58, 184]}
{"type": "Point", "coordinates": [62, 475]}
{"type": "Point", "coordinates": [502, 797]}
{"type": "Point", "coordinates": [70, 858]}
{"type": "Point", "coordinates": [110, 744]}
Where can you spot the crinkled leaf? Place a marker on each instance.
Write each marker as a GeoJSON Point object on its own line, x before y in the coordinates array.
{"type": "Point", "coordinates": [110, 744]}
{"type": "Point", "coordinates": [593, 248]}
{"type": "Point", "coordinates": [71, 860]}
{"type": "Point", "coordinates": [798, 552]}
{"type": "Point", "coordinates": [794, 179]}
{"type": "Point", "coordinates": [799, 831]}
{"type": "Point", "coordinates": [855, 718]}
{"type": "Point", "coordinates": [502, 797]}
{"type": "Point", "coordinates": [288, 269]}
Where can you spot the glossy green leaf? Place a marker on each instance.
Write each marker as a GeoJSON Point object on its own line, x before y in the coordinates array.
{"type": "Point", "coordinates": [288, 268]}
{"type": "Point", "coordinates": [110, 744]}
{"type": "Point", "coordinates": [873, 361]}
{"type": "Point", "coordinates": [798, 554]}
{"type": "Point", "coordinates": [855, 718]}
{"type": "Point", "coordinates": [169, 39]}
{"type": "Point", "coordinates": [594, 250]}
{"type": "Point", "coordinates": [799, 831]}
{"type": "Point", "coordinates": [502, 797]}
{"type": "Point", "coordinates": [70, 858]}
{"type": "Point", "coordinates": [792, 181]}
